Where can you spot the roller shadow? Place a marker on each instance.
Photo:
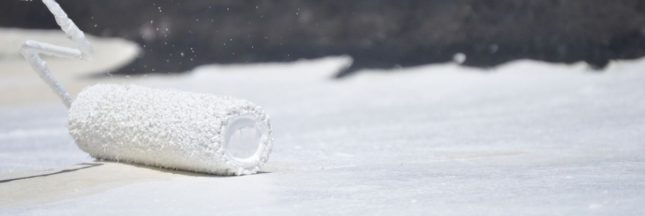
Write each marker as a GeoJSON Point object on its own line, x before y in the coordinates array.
{"type": "Point", "coordinates": [86, 179]}
{"type": "Point", "coordinates": [103, 162]}
{"type": "Point", "coordinates": [179, 172]}
{"type": "Point", "coordinates": [36, 188]}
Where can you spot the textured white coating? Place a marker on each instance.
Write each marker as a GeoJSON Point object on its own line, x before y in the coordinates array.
{"type": "Point", "coordinates": [167, 128]}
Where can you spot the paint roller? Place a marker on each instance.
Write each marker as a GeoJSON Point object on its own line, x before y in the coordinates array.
{"type": "Point", "coordinates": [156, 127]}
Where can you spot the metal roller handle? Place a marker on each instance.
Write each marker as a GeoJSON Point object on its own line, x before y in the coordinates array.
{"type": "Point", "coordinates": [31, 50]}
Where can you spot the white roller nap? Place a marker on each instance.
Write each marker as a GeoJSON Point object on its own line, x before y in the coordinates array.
{"type": "Point", "coordinates": [173, 129]}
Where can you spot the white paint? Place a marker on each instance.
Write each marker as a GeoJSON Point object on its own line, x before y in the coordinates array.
{"type": "Point", "coordinates": [527, 138]}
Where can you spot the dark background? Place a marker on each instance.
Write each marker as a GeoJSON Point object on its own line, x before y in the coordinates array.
{"type": "Point", "coordinates": [177, 35]}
